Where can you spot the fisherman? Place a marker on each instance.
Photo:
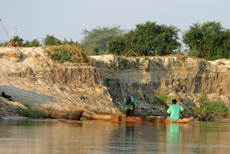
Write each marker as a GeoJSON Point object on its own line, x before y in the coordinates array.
{"type": "Point", "coordinates": [175, 111]}
{"type": "Point", "coordinates": [130, 105]}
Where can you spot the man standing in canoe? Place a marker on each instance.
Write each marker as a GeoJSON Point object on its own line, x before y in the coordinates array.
{"type": "Point", "coordinates": [175, 111]}
{"type": "Point", "coordinates": [130, 105]}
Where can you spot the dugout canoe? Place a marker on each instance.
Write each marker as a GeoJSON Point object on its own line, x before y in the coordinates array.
{"type": "Point", "coordinates": [73, 115]}
{"type": "Point", "coordinates": [154, 119]}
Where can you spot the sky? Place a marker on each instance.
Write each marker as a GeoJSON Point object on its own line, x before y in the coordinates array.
{"type": "Point", "coordinates": [34, 19]}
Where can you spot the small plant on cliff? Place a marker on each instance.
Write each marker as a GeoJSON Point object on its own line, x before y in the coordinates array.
{"type": "Point", "coordinates": [221, 63]}
{"type": "Point", "coordinates": [183, 58]}
{"type": "Point", "coordinates": [29, 112]}
{"type": "Point", "coordinates": [123, 61]}
{"type": "Point", "coordinates": [210, 109]}
{"type": "Point", "coordinates": [67, 53]}
{"type": "Point", "coordinates": [149, 69]}
{"type": "Point", "coordinates": [160, 99]}
{"type": "Point", "coordinates": [137, 63]}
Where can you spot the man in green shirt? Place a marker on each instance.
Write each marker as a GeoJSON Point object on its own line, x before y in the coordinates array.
{"type": "Point", "coordinates": [130, 105]}
{"type": "Point", "coordinates": [175, 111]}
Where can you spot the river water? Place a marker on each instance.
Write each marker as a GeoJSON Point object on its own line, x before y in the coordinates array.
{"type": "Point", "coordinates": [67, 137]}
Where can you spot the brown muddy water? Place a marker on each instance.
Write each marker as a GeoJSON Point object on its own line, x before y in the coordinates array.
{"type": "Point", "coordinates": [58, 137]}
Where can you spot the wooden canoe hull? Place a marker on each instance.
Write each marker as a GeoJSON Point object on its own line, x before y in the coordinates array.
{"type": "Point", "coordinates": [74, 115]}
{"type": "Point", "coordinates": [154, 119]}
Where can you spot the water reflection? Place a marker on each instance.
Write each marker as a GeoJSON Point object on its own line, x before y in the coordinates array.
{"type": "Point", "coordinates": [130, 129]}
{"type": "Point", "coordinates": [54, 137]}
{"type": "Point", "coordinates": [173, 137]}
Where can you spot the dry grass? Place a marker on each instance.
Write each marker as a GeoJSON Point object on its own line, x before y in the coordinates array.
{"type": "Point", "coordinates": [68, 53]}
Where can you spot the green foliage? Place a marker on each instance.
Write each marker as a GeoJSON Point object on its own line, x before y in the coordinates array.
{"type": "Point", "coordinates": [122, 61]}
{"type": "Point", "coordinates": [29, 112]}
{"type": "Point", "coordinates": [71, 42]}
{"type": "Point", "coordinates": [16, 41]}
{"type": "Point", "coordinates": [149, 69]}
{"type": "Point", "coordinates": [97, 38]}
{"type": "Point", "coordinates": [67, 53]}
{"type": "Point", "coordinates": [160, 99]}
{"type": "Point", "coordinates": [221, 63]}
{"type": "Point", "coordinates": [147, 39]}
{"type": "Point", "coordinates": [33, 43]}
{"type": "Point", "coordinates": [209, 40]}
{"type": "Point", "coordinates": [51, 40]}
{"type": "Point", "coordinates": [137, 64]}
{"type": "Point", "coordinates": [116, 45]}
{"type": "Point", "coordinates": [210, 109]}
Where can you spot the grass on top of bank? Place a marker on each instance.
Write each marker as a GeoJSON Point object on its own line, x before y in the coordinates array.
{"type": "Point", "coordinates": [68, 53]}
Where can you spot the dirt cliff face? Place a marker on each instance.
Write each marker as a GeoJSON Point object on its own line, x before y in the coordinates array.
{"type": "Point", "coordinates": [30, 76]}
{"type": "Point", "coordinates": [178, 77]}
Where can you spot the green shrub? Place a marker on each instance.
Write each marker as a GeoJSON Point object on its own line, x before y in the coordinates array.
{"type": "Point", "coordinates": [33, 43]}
{"type": "Point", "coordinates": [29, 112]}
{"type": "Point", "coordinates": [123, 61]}
{"type": "Point", "coordinates": [67, 53]}
{"type": "Point", "coordinates": [221, 63]}
{"type": "Point", "coordinates": [71, 42]}
{"type": "Point", "coordinates": [137, 64]}
{"type": "Point", "coordinates": [210, 109]}
{"type": "Point", "coordinates": [149, 69]}
{"type": "Point", "coordinates": [16, 41]}
{"type": "Point", "coordinates": [160, 99]}
{"type": "Point", "coordinates": [51, 40]}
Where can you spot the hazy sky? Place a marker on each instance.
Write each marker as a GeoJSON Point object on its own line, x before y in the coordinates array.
{"type": "Point", "coordinates": [68, 18]}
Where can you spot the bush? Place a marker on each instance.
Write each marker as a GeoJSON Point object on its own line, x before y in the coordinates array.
{"type": "Point", "coordinates": [71, 42]}
{"type": "Point", "coordinates": [67, 53]}
{"type": "Point", "coordinates": [33, 43]}
{"type": "Point", "coordinates": [210, 109]}
{"type": "Point", "coordinates": [160, 99]}
{"type": "Point", "coordinates": [51, 40]}
{"type": "Point", "coordinates": [29, 112]}
{"type": "Point", "coordinates": [16, 41]}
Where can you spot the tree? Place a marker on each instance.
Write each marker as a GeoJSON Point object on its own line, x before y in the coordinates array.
{"type": "Point", "coordinates": [51, 40]}
{"type": "Point", "coordinates": [16, 41]}
{"type": "Point", "coordinates": [147, 39]}
{"type": "Point", "coordinates": [209, 40]}
{"type": "Point", "coordinates": [97, 38]}
{"type": "Point", "coordinates": [116, 45]}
